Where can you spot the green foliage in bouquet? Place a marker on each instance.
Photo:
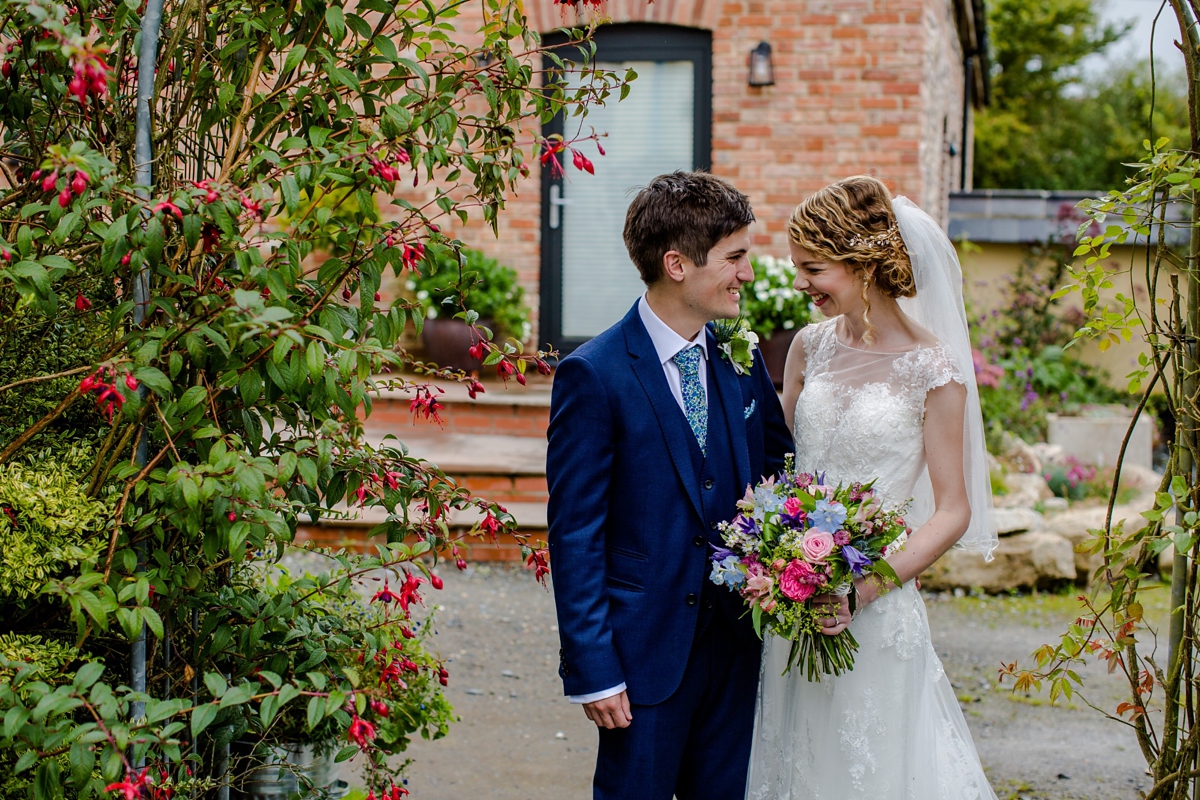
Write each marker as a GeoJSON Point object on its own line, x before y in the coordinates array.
{"type": "Point", "coordinates": [490, 288]}
{"type": "Point", "coordinates": [771, 303]}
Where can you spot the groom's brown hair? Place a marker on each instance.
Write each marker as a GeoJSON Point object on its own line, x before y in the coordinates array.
{"type": "Point", "coordinates": [688, 212]}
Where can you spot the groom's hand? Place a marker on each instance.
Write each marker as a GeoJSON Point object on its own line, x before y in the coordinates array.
{"type": "Point", "coordinates": [611, 712]}
{"type": "Point", "coordinates": [835, 613]}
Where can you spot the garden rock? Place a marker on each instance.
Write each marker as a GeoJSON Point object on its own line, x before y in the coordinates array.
{"type": "Point", "coordinates": [1018, 520]}
{"type": "Point", "coordinates": [1025, 490]}
{"type": "Point", "coordinates": [1036, 559]}
{"type": "Point", "coordinates": [1018, 456]}
{"type": "Point", "coordinates": [1075, 523]}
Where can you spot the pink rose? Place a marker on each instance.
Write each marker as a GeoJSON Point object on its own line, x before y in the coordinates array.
{"type": "Point", "coordinates": [792, 506]}
{"type": "Point", "coordinates": [816, 545]}
{"type": "Point", "coordinates": [841, 538]}
{"type": "Point", "coordinates": [798, 581]}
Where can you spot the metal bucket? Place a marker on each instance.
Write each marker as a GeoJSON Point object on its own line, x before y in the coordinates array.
{"type": "Point", "coordinates": [285, 771]}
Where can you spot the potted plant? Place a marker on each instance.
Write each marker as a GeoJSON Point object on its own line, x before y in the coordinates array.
{"type": "Point", "coordinates": [494, 295]}
{"type": "Point", "coordinates": [775, 310]}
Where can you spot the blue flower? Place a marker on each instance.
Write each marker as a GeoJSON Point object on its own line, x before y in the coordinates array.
{"type": "Point", "coordinates": [727, 573]}
{"type": "Point", "coordinates": [766, 502]}
{"type": "Point", "coordinates": [828, 516]}
{"type": "Point", "coordinates": [855, 560]}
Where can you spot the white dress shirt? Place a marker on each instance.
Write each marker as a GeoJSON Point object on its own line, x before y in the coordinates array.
{"type": "Point", "coordinates": [667, 343]}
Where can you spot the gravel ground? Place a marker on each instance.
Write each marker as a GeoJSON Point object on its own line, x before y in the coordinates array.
{"type": "Point", "coordinates": [519, 738]}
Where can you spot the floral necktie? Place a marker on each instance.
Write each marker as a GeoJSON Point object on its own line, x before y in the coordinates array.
{"type": "Point", "coordinates": [694, 404]}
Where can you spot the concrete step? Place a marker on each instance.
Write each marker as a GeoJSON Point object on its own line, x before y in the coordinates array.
{"type": "Point", "coordinates": [512, 410]}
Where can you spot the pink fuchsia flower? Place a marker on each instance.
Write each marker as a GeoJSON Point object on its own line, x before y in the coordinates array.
{"type": "Point", "coordinates": [817, 545]}
{"type": "Point", "coordinates": [361, 733]}
{"type": "Point", "coordinates": [167, 207]}
{"type": "Point", "coordinates": [841, 538]}
{"type": "Point", "coordinates": [798, 582]}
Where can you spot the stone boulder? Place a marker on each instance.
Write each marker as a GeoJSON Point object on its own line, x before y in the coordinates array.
{"type": "Point", "coordinates": [1025, 490]}
{"type": "Point", "coordinates": [1038, 559]}
{"type": "Point", "coordinates": [1017, 456]}
{"type": "Point", "coordinates": [1075, 523]}
{"type": "Point", "coordinates": [1017, 520]}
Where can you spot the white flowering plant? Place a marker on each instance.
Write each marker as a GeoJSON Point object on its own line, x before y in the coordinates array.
{"type": "Point", "coordinates": [771, 303]}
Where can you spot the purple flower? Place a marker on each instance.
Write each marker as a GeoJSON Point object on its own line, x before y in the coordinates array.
{"type": "Point", "coordinates": [721, 553]}
{"type": "Point", "coordinates": [746, 526]}
{"type": "Point", "coordinates": [855, 560]}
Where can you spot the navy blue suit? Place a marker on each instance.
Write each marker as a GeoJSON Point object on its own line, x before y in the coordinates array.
{"type": "Point", "coordinates": [633, 508]}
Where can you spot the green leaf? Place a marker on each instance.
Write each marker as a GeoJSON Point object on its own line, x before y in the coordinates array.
{"type": "Point", "coordinates": [335, 18]}
{"type": "Point", "coordinates": [294, 57]}
{"type": "Point", "coordinates": [202, 717]}
{"type": "Point", "coordinates": [154, 379]}
{"type": "Point", "coordinates": [88, 674]}
{"type": "Point", "coordinates": [316, 711]}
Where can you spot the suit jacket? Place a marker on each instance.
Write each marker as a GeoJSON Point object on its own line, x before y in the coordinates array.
{"type": "Point", "coordinates": [629, 516]}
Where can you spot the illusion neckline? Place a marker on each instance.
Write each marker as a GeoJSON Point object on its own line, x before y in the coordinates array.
{"type": "Point", "coordinates": [837, 338]}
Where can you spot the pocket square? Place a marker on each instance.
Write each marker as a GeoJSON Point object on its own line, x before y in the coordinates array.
{"type": "Point", "coordinates": [748, 410]}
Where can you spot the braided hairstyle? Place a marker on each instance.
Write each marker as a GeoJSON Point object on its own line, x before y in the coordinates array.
{"type": "Point", "coordinates": [853, 221]}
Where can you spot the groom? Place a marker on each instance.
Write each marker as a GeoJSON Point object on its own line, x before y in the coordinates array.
{"type": "Point", "coordinates": [653, 439]}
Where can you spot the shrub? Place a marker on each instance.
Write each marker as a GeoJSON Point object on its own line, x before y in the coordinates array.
{"type": "Point", "coordinates": [771, 303]}
{"type": "Point", "coordinates": [476, 282]}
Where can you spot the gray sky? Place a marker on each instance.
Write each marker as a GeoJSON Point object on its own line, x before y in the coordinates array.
{"type": "Point", "coordinates": [1137, 42]}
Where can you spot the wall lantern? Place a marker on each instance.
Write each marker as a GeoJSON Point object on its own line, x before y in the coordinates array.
{"type": "Point", "coordinates": [762, 72]}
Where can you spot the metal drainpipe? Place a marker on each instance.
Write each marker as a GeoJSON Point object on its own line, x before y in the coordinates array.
{"type": "Point", "coordinates": [968, 83]}
{"type": "Point", "coordinates": [144, 179]}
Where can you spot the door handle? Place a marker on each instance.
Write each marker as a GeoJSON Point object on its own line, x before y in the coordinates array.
{"type": "Point", "coordinates": [556, 200]}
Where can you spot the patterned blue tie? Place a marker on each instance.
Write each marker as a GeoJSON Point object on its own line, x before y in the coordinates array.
{"type": "Point", "coordinates": [694, 404]}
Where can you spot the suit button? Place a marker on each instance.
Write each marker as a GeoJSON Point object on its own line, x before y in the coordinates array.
{"type": "Point", "coordinates": [708, 484]}
{"type": "Point", "coordinates": [690, 599]}
{"type": "Point", "coordinates": [698, 541]}
{"type": "Point", "coordinates": [713, 524]}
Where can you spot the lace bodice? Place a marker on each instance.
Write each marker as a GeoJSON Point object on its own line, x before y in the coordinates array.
{"type": "Point", "coordinates": [861, 414]}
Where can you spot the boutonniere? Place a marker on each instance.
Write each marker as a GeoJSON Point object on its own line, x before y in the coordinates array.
{"type": "Point", "coordinates": [736, 342]}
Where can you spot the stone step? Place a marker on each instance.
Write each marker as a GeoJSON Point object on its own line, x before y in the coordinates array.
{"type": "Point", "coordinates": [512, 410]}
{"type": "Point", "coordinates": [351, 533]}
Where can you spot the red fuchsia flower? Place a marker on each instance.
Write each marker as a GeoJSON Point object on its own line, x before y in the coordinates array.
{"type": "Point", "coordinates": [396, 792]}
{"type": "Point", "coordinates": [253, 207]}
{"type": "Point", "coordinates": [582, 163]}
{"type": "Point", "coordinates": [424, 404]}
{"type": "Point", "coordinates": [600, 148]}
{"type": "Point", "coordinates": [82, 303]}
{"type": "Point", "coordinates": [406, 633]}
{"type": "Point", "coordinates": [477, 350]}
{"type": "Point", "coordinates": [490, 525]}
{"type": "Point", "coordinates": [505, 369]}
{"type": "Point", "coordinates": [379, 707]}
{"type": "Point", "coordinates": [384, 595]}
{"type": "Point", "coordinates": [362, 493]}
{"type": "Point", "coordinates": [460, 563]}
{"type": "Point", "coordinates": [435, 581]}
{"type": "Point", "coordinates": [125, 260]}
{"type": "Point", "coordinates": [91, 75]}
{"type": "Point", "coordinates": [133, 787]}
{"type": "Point", "coordinates": [232, 515]}
{"type": "Point", "coordinates": [538, 562]}
{"type": "Point", "coordinates": [798, 582]}
{"type": "Point", "coordinates": [408, 592]}
{"type": "Point", "coordinates": [79, 183]}
{"type": "Point", "coordinates": [412, 255]}
{"type": "Point", "coordinates": [210, 234]}
{"type": "Point", "coordinates": [5, 254]}
{"type": "Point", "coordinates": [443, 676]}
{"type": "Point", "coordinates": [131, 382]}
{"type": "Point", "coordinates": [167, 207]}
{"type": "Point", "coordinates": [361, 733]}
{"type": "Point", "coordinates": [6, 69]}
{"type": "Point", "coordinates": [64, 198]}
{"type": "Point", "coordinates": [408, 665]}
{"type": "Point", "coordinates": [542, 367]}
{"type": "Point", "coordinates": [474, 388]}
{"type": "Point", "coordinates": [391, 674]}
{"type": "Point", "coordinates": [389, 478]}
{"type": "Point", "coordinates": [50, 181]}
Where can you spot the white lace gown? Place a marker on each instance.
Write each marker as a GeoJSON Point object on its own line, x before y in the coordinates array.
{"type": "Point", "coordinates": [891, 728]}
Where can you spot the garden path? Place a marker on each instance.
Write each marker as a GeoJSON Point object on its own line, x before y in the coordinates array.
{"type": "Point", "coordinates": [519, 739]}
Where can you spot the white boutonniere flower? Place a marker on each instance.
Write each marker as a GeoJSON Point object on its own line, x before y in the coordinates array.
{"type": "Point", "coordinates": [736, 342]}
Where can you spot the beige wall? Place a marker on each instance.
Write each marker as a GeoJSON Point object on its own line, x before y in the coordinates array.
{"type": "Point", "coordinates": [985, 267]}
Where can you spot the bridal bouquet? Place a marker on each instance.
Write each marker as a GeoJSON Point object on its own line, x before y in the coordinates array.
{"type": "Point", "coordinates": [797, 538]}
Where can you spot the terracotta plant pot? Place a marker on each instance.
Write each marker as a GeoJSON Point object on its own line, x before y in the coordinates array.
{"type": "Point", "coordinates": [447, 342]}
{"type": "Point", "coordinates": [775, 349]}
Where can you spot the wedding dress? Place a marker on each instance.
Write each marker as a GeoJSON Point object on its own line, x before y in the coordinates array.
{"type": "Point", "coordinates": [891, 728]}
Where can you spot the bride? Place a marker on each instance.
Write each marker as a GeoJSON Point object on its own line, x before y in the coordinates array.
{"type": "Point", "coordinates": [882, 390]}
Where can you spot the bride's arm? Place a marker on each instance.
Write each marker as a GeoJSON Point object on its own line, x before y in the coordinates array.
{"type": "Point", "coordinates": [793, 379]}
{"type": "Point", "coordinates": [945, 407]}
{"type": "Point", "coordinates": [944, 410]}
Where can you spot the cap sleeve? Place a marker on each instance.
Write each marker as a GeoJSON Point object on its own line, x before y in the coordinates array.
{"type": "Point", "coordinates": [937, 368]}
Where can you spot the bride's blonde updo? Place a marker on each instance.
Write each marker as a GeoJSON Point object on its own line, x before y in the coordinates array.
{"type": "Point", "coordinates": [853, 221]}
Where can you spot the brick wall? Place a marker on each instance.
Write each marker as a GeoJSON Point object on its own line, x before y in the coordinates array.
{"type": "Point", "coordinates": [861, 86]}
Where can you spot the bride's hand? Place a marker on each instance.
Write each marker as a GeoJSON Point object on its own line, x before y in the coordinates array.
{"type": "Point", "coordinates": [835, 613]}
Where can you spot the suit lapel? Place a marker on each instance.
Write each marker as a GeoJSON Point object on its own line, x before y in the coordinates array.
{"type": "Point", "coordinates": [671, 421]}
{"type": "Point", "coordinates": [731, 402]}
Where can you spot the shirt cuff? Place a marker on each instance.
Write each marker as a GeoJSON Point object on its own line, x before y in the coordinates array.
{"type": "Point", "coordinates": [594, 696]}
